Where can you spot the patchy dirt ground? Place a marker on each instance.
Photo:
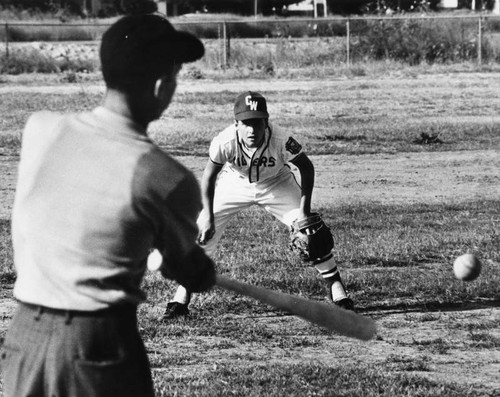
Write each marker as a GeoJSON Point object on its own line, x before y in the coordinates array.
{"type": "Point", "coordinates": [428, 177]}
{"type": "Point", "coordinates": [430, 343]}
{"type": "Point", "coordinates": [407, 337]}
{"type": "Point", "coordinates": [415, 342]}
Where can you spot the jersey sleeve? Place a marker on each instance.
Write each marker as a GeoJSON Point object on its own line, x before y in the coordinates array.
{"type": "Point", "coordinates": [183, 259]}
{"type": "Point", "coordinates": [216, 152]}
{"type": "Point", "coordinates": [169, 198]}
{"type": "Point", "coordinates": [220, 151]}
{"type": "Point", "coordinates": [291, 148]}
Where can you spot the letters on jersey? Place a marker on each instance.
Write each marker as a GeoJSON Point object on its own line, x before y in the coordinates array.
{"type": "Point", "coordinates": [264, 163]}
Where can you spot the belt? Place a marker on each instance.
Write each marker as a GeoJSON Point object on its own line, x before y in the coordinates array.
{"type": "Point", "coordinates": [118, 310]}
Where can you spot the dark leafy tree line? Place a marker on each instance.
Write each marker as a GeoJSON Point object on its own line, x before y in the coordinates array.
{"type": "Point", "coordinates": [241, 7]}
{"type": "Point", "coordinates": [381, 6]}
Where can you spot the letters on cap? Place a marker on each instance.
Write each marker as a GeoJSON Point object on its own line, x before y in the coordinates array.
{"type": "Point", "coordinates": [250, 105]}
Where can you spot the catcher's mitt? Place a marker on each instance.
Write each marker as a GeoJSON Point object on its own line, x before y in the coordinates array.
{"type": "Point", "coordinates": [311, 238]}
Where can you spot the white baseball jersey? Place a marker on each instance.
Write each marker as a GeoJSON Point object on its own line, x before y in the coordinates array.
{"type": "Point", "coordinates": [254, 177]}
{"type": "Point", "coordinates": [257, 165]}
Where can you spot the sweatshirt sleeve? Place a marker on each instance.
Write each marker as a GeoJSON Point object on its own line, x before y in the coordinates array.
{"type": "Point", "coordinates": [170, 198]}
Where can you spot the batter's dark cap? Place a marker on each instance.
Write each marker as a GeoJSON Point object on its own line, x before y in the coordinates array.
{"type": "Point", "coordinates": [250, 105]}
{"type": "Point", "coordinates": [147, 43]}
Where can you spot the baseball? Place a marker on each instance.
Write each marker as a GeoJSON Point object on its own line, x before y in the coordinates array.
{"type": "Point", "coordinates": [155, 260]}
{"type": "Point", "coordinates": [467, 267]}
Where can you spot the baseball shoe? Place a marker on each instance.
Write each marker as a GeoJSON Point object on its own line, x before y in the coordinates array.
{"type": "Point", "coordinates": [175, 310]}
{"type": "Point", "coordinates": [345, 303]}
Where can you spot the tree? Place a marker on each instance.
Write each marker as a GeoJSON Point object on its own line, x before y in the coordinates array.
{"type": "Point", "coordinates": [347, 7]}
{"type": "Point", "coordinates": [73, 6]}
{"type": "Point", "coordinates": [244, 7]}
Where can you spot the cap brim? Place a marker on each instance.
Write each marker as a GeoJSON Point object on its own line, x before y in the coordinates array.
{"type": "Point", "coordinates": [187, 47]}
{"type": "Point", "coordinates": [252, 115]}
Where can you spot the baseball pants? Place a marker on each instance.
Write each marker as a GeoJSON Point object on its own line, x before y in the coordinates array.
{"type": "Point", "coordinates": [279, 196]}
{"type": "Point", "coordinates": [58, 353]}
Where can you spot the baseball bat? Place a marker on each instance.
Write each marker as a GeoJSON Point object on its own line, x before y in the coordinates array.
{"type": "Point", "coordinates": [331, 317]}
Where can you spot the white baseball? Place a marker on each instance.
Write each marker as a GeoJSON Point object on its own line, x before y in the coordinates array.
{"type": "Point", "coordinates": [467, 267]}
{"type": "Point", "coordinates": [155, 260]}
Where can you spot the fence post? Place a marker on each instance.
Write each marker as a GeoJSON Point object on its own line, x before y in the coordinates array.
{"type": "Point", "coordinates": [480, 41]}
{"type": "Point", "coordinates": [7, 41]}
{"type": "Point", "coordinates": [221, 45]}
{"type": "Point", "coordinates": [348, 41]}
{"type": "Point", "coordinates": [226, 48]}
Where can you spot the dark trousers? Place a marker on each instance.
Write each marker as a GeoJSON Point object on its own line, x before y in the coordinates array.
{"type": "Point", "coordinates": [59, 353]}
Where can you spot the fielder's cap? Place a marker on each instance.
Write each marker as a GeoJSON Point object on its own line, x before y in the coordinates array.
{"type": "Point", "coordinates": [250, 105]}
{"type": "Point", "coordinates": [145, 43]}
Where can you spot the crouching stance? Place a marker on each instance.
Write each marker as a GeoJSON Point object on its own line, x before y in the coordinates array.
{"type": "Point", "coordinates": [248, 165]}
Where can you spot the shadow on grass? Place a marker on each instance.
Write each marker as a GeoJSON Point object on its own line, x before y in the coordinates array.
{"type": "Point", "coordinates": [7, 279]}
{"type": "Point", "coordinates": [397, 308]}
{"type": "Point", "coordinates": [431, 306]}
{"type": "Point", "coordinates": [376, 262]}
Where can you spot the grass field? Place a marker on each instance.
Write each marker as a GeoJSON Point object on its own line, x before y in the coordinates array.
{"type": "Point", "coordinates": [408, 178]}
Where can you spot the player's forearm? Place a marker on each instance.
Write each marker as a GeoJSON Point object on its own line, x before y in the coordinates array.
{"type": "Point", "coordinates": [306, 169]}
{"type": "Point", "coordinates": [207, 199]}
{"type": "Point", "coordinates": [305, 205]}
{"type": "Point", "coordinates": [306, 198]}
{"type": "Point", "coordinates": [208, 189]}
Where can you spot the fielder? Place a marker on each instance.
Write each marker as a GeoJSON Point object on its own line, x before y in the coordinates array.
{"type": "Point", "coordinates": [248, 165]}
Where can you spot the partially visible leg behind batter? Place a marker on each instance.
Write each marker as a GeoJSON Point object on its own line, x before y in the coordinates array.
{"type": "Point", "coordinates": [230, 197]}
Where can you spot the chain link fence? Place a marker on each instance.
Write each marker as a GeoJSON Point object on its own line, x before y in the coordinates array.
{"type": "Point", "coordinates": [293, 43]}
{"type": "Point", "coordinates": [350, 40]}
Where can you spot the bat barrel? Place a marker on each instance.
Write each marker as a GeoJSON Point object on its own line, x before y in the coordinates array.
{"type": "Point", "coordinates": [341, 321]}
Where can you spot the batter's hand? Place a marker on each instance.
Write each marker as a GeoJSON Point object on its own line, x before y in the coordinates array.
{"type": "Point", "coordinates": [207, 229]}
{"type": "Point", "coordinates": [194, 271]}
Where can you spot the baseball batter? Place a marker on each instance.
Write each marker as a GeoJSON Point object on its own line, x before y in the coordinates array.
{"type": "Point", "coordinates": [249, 165]}
{"type": "Point", "coordinates": [91, 202]}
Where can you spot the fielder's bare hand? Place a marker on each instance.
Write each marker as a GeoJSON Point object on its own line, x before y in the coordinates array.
{"type": "Point", "coordinates": [207, 228]}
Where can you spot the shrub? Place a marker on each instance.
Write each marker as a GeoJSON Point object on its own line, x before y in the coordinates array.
{"type": "Point", "coordinates": [251, 30]}
{"type": "Point", "coordinates": [417, 41]}
{"type": "Point", "coordinates": [492, 24]}
{"type": "Point", "coordinates": [208, 30]}
{"type": "Point", "coordinates": [40, 60]}
{"type": "Point", "coordinates": [286, 53]}
{"type": "Point", "coordinates": [48, 32]}
{"type": "Point", "coordinates": [262, 29]}
{"type": "Point", "coordinates": [27, 61]}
